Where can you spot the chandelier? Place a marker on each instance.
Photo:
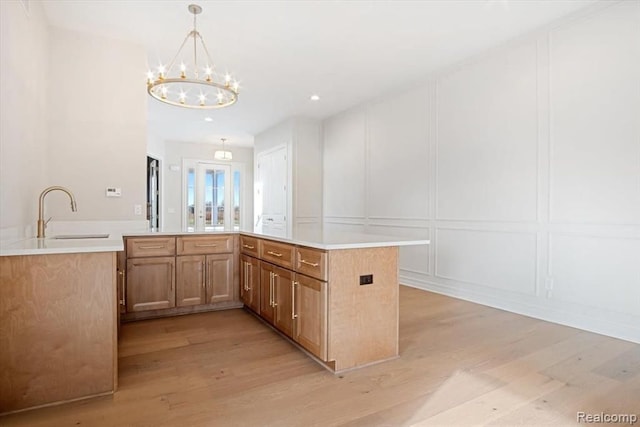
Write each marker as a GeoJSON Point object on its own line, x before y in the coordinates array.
{"type": "Point", "coordinates": [223, 154]}
{"type": "Point", "coordinates": [193, 87]}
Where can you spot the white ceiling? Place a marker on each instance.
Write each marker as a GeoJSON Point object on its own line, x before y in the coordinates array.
{"type": "Point", "coordinates": [284, 51]}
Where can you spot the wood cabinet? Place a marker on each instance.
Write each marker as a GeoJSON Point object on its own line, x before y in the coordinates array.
{"type": "Point", "coordinates": [311, 262]}
{"type": "Point", "coordinates": [310, 315]}
{"type": "Point", "coordinates": [250, 246]}
{"type": "Point", "coordinates": [204, 279]}
{"type": "Point", "coordinates": [250, 282]}
{"type": "Point", "coordinates": [276, 300]}
{"type": "Point", "coordinates": [181, 274]}
{"type": "Point", "coordinates": [215, 244]}
{"type": "Point", "coordinates": [318, 299]}
{"type": "Point", "coordinates": [205, 272]}
{"type": "Point", "coordinates": [150, 283]}
{"type": "Point", "coordinates": [190, 275]}
{"type": "Point", "coordinates": [143, 247]}
{"type": "Point", "coordinates": [277, 253]}
{"type": "Point", "coordinates": [150, 273]}
{"type": "Point", "coordinates": [294, 303]}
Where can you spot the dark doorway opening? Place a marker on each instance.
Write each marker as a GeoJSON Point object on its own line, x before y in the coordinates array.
{"type": "Point", "coordinates": [153, 192]}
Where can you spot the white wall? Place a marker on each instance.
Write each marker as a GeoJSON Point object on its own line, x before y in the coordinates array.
{"type": "Point", "coordinates": [24, 69]}
{"type": "Point", "coordinates": [523, 168]}
{"type": "Point", "coordinates": [73, 114]}
{"type": "Point", "coordinates": [97, 126]}
{"type": "Point", "coordinates": [303, 139]}
{"type": "Point", "coordinates": [307, 173]}
{"type": "Point", "coordinates": [171, 196]}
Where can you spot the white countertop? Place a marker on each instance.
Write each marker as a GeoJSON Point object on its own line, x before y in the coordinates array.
{"type": "Point", "coordinates": [319, 239]}
{"type": "Point", "coordinates": [49, 245]}
{"type": "Point", "coordinates": [331, 240]}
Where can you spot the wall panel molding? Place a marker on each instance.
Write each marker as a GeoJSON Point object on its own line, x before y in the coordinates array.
{"type": "Point", "coordinates": [507, 246]}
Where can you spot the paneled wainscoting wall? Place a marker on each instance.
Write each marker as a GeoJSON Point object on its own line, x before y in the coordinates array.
{"type": "Point", "coordinates": [521, 165]}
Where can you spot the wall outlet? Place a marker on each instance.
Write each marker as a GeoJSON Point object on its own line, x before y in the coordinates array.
{"type": "Point", "coordinates": [137, 209]}
{"type": "Point", "coordinates": [367, 279]}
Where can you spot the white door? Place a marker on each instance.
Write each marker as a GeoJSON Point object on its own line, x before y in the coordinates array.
{"type": "Point", "coordinates": [271, 192]}
{"type": "Point", "coordinates": [209, 197]}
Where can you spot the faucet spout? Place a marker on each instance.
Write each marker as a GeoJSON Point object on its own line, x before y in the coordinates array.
{"type": "Point", "coordinates": [41, 222]}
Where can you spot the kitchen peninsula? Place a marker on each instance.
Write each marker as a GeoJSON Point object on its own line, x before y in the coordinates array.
{"type": "Point", "coordinates": [335, 295]}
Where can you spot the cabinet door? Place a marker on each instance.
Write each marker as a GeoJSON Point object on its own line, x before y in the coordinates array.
{"type": "Point", "coordinates": [267, 280]}
{"type": "Point", "coordinates": [310, 313]}
{"type": "Point", "coordinates": [190, 289]}
{"type": "Point", "coordinates": [151, 283]}
{"type": "Point", "coordinates": [283, 306]}
{"type": "Point", "coordinates": [219, 278]}
{"type": "Point", "coordinates": [250, 282]}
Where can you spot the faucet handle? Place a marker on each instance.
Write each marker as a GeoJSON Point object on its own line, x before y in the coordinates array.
{"type": "Point", "coordinates": [47, 221]}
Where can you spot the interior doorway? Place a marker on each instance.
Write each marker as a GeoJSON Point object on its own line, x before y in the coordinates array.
{"type": "Point", "coordinates": [270, 201]}
{"type": "Point", "coordinates": [153, 192]}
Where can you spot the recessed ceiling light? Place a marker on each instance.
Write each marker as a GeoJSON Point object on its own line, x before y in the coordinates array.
{"type": "Point", "coordinates": [315, 97]}
{"type": "Point", "coordinates": [208, 119]}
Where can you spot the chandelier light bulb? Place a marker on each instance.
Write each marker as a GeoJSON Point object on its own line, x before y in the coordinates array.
{"type": "Point", "coordinates": [216, 91]}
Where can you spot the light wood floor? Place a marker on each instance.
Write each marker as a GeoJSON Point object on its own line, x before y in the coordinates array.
{"type": "Point", "coordinates": [460, 364]}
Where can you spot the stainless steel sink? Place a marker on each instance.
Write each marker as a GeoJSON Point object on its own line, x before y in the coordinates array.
{"type": "Point", "coordinates": [81, 236]}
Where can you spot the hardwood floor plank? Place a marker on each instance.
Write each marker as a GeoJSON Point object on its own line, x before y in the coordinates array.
{"type": "Point", "coordinates": [458, 362]}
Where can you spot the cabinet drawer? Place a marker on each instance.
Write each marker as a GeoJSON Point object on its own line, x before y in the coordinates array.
{"type": "Point", "coordinates": [250, 246]}
{"type": "Point", "coordinates": [151, 246]}
{"type": "Point", "coordinates": [312, 262]}
{"type": "Point", "coordinates": [197, 245]}
{"type": "Point", "coordinates": [277, 253]}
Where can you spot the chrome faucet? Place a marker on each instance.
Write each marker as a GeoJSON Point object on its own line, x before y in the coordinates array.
{"type": "Point", "coordinates": [41, 222]}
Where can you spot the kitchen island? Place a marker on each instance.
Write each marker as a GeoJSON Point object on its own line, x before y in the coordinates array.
{"type": "Point", "coordinates": [335, 295]}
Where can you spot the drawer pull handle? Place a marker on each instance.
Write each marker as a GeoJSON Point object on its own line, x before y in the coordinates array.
{"type": "Point", "coordinates": [312, 264]}
{"type": "Point", "coordinates": [205, 245]}
{"type": "Point", "coordinates": [152, 247]}
{"type": "Point", "coordinates": [248, 246]}
{"type": "Point", "coordinates": [274, 254]}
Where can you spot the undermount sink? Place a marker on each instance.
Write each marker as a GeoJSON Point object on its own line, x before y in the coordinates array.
{"type": "Point", "coordinates": [81, 236]}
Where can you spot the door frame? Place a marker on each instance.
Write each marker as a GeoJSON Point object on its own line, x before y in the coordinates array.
{"type": "Point", "coordinates": [233, 167]}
